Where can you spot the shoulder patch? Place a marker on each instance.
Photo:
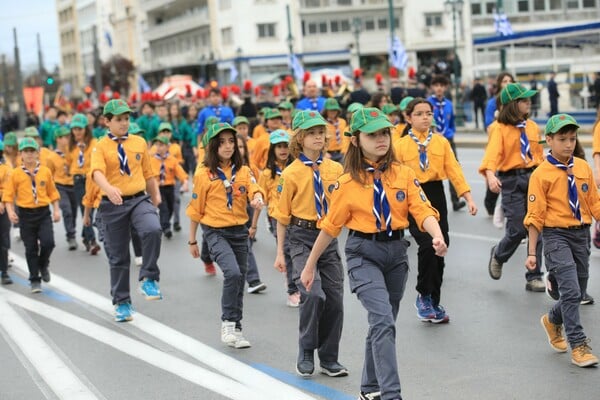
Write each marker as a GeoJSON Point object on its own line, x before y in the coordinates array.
{"type": "Point", "coordinates": [584, 187]}
{"type": "Point", "coordinates": [331, 187]}
{"type": "Point", "coordinates": [138, 156]}
{"type": "Point", "coordinates": [400, 195]}
{"type": "Point", "coordinates": [194, 196]}
{"type": "Point", "coordinates": [532, 198]}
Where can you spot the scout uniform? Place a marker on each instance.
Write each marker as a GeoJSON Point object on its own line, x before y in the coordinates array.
{"type": "Point", "coordinates": [300, 209]}
{"type": "Point", "coordinates": [218, 204]}
{"type": "Point", "coordinates": [169, 169]}
{"type": "Point", "coordinates": [250, 141]}
{"type": "Point", "coordinates": [431, 157]}
{"type": "Point", "coordinates": [125, 163]}
{"type": "Point", "coordinates": [91, 201]}
{"type": "Point", "coordinates": [5, 172]}
{"type": "Point", "coordinates": [207, 123]}
{"type": "Point", "coordinates": [64, 183]}
{"type": "Point", "coordinates": [512, 153]}
{"type": "Point", "coordinates": [286, 109]}
{"type": "Point", "coordinates": [338, 143]}
{"type": "Point", "coordinates": [10, 142]}
{"type": "Point", "coordinates": [261, 149]}
{"type": "Point", "coordinates": [81, 157]}
{"type": "Point", "coordinates": [562, 200]}
{"type": "Point", "coordinates": [376, 253]}
{"type": "Point", "coordinates": [44, 156]}
{"type": "Point", "coordinates": [399, 128]}
{"type": "Point", "coordinates": [134, 129]}
{"type": "Point", "coordinates": [33, 191]}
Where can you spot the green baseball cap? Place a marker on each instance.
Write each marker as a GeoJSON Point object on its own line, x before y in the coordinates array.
{"type": "Point", "coordinates": [61, 131]}
{"type": "Point", "coordinates": [214, 130]}
{"type": "Point", "coordinates": [263, 110]}
{"type": "Point", "coordinates": [79, 121]}
{"type": "Point", "coordinates": [116, 107]}
{"type": "Point", "coordinates": [10, 139]}
{"type": "Point", "coordinates": [272, 113]}
{"type": "Point", "coordinates": [285, 105]}
{"type": "Point", "coordinates": [405, 101]}
{"type": "Point", "coordinates": [1, 145]}
{"type": "Point", "coordinates": [369, 120]}
{"type": "Point", "coordinates": [332, 104]}
{"type": "Point", "coordinates": [28, 143]}
{"type": "Point", "coordinates": [165, 126]}
{"type": "Point", "coordinates": [279, 136]}
{"type": "Point", "coordinates": [558, 121]}
{"type": "Point", "coordinates": [135, 129]}
{"type": "Point", "coordinates": [32, 132]}
{"type": "Point", "coordinates": [514, 91]}
{"type": "Point", "coordinates": [352, 108]}
{"type": "Point", "coordinates": [389, 108]}
{"type": "Point", "coordinates": [210, 121]}
{"type": "Point", "coordinates": [306, 119]}
{"type": "Point", "coordinates": [162, 139]}
{"type": "Point", "coordinates": [240, 120]}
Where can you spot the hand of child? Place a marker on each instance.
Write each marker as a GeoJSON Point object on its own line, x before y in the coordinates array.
{"type": "Point", "coordinates": [257, 203]}
{"type": "Point", "coordinates": [184, 187]}
{"type": "Point", "coordinates": [86, 220]}
{"type": "Point", "coordinates": [56, 216]}
{"type": "Point", "coordinates": [13, 217]}
{"type": "Point", "coordinates": [472, 207]}
{"type": "Point", "coordinates": [494, 184]}
{"type": "Point", "coordinates": [252, 232]}
{"type": "Point", "coordinates": [280, 263]}
{"type": "Point", "coordinates": [439, 246]}
{"type": "Point", "coordinates": [156, 200]}
{"type": "Point", "coordinates": [307, 277]}
{"type": "Point", "coordinates": [194, 250]}
{"type": "Point", "coordinates": [531, 263]}
{"type": "Point", "coordinates": [1, 208]}
{"type": "Point", "coordinates": [114, 195]}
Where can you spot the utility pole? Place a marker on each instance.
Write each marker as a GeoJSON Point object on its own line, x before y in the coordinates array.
{"type": "Point", "coordinates": [19, 83]}
{"type": "Point", "coordinates": [290, 39]}
{"type": "Point", "coordinates": [392, 26]}
{"type": "Point", "coordinates": [97, 65]}
{"type": "Point", "coordinates": [499, 8]}
{"type": "Point", "coordinates": [5, 85]}
{"type": "Point", "coordinates": [42, 70]}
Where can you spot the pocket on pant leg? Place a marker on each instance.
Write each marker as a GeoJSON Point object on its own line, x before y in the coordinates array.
{"type": "Point", "coordinates": [358, 277]}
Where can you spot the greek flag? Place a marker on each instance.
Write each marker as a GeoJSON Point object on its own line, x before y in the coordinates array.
{"type": "Point", "coordinates": [108, 38]}
{"type": "Point", "coordinates": [233, 73]}
{"type": "Point", "coordinates": [398, 56]}
{"type": "Point", "coordinates": [295, 64]}
{"type": "Point", "coordinates": [502, 25]}
{"type": "Point", "coordinates": [144, 87]}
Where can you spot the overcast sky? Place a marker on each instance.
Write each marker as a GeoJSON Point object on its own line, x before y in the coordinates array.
{"type": "Point", "coordinates": [30, 17]}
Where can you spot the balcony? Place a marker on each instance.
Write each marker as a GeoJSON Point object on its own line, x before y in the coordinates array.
{"type": "Point", "coordinates": [151, 5]}
{"type": "Point", "coordinates": [177, 25]}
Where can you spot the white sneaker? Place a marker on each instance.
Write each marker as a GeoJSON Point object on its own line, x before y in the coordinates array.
{"type": "Point", "coordinates": [228, 332]}
{"type": "Point", "coordinates": [240, 342]}
{"type": "Point", "coordinates": [293, 300]}
{"type": "Point", "coordinates": [498, 219]}
{"type": "Point", "coordinates": [138, 261]}
{"type": "Point", "coordinates": [17, 234]}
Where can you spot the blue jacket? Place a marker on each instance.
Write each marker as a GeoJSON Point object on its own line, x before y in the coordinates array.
{"type": "Point", "coordinates": [449, 127]}
{"type": "Point", "coordinates": [490, 109]}
{"type": "Point", "coordinates": [224, 113]}
{"type": "Point", "coordinates": [308, 104]}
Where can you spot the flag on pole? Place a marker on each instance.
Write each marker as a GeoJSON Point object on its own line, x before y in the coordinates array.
{"type": "Point", "coordinates": [295, 64]}
{"type": "Point", "coordinates": [144, 86]}
{"type": "Point", "coordinates": [502, 24]}
{"type": "Point", "coordinates": [398, 56]}
{"type": "Point", "coordinates": [108, 38]}
{"type": "Point", "coordinates": [233, 73]}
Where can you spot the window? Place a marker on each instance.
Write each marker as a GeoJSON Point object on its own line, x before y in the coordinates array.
{"type": "Point", "coordinates": [382, 23]}
{"type": "Point", "coordinates": [266, 30]}
{"type": "Point", "coordinates": [345, 25]}
{"type": "Point", "coordinates": [322, 27]}
{"type": "Point", "coordinates": [539, 5]}
{"type": "Point", "coordinates": [396, 22]}
{"type": "Point", "coordinates": [312, 28]}
{"type": "Point", "coordinates": [573, 4]}
{"type": "Point", "coordinates": [555, 4]}
{"type": "Point", "coordinates": [344, 2]}
{"type": "Point", "coordinates": [490, 7]}
{"type": "Point", "coordinates": [589, 3]}
{"type": "Point", "coordinates": [433, 19]}
{"type": "Point", "coordinates": [475, 9]}
{"type": "Point", "coordinates": [312, 3]}
{"type": "Point", "coordinates": [523, 5]}
{"type": "Point", "coordinates": [369, 25]}
{"type": "Point", "coordinates": [335, 26]}
{"type": "Point", "coordinates": [226, 36]}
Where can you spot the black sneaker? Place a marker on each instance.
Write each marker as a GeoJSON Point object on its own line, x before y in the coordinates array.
{"type": "Point", "coordinates": [5, 279]}
{"type": "Point", "coordinates": [87, 245]}
{"type": "Point", "coordinates": [333, 368]}
{"type": "Point", "coordinates": [176, 227]}
{"type": "Point", "coordinates": [72, 244]}
{"type": "Point", "coordinates": [306, 363]}
{"type": "Point", "coordinates": [551, 286]}
{"type": "Point", "coordinates": [36, 287]}
{"type": "Point", "coordinates": [168, 234]}
{"type": "Point", "coordinates": [586, 299]}
{"type": "Point", "coordinates": [45, 275]}
{"type": "Point", "coordinates": [457, 205]}
{"type": "Point", "coordinates": [369, 396]}
{"type": "Point", "coordinates": [256, 287]}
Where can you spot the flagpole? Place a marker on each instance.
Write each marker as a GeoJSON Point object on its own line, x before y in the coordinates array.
{"type": "Point", "coordinates": [391, 12]}
{"type": "Point", "coordinates": [499, 6]}
{"type": "Point", "coordinates": [290, 39]}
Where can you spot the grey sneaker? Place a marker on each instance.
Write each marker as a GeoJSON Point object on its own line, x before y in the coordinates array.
{"type": "Point", "coordinates": [72, 244]}
{"type": "Point", "coordinates": [240, 341]}
{"type": "Point", "coordinates": [36, 287]}
{"type": "Point", "coordinates": [535, 285]}
{"type": "Point", "coordinates": [494, 267]}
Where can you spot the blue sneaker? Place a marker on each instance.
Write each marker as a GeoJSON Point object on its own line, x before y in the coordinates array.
{"type": "Point", "coordinates": [440, 315]}
{"type": "Point", "coordinates": [149, 288]}
{"type": "Point", "coordinates": [425, 310]}
{"type": "Point", "coordinates": [123, 312]}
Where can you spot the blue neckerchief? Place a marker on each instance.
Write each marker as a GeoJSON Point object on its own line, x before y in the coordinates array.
{"type": "Point", "coordinates": [228, 184]}
{"type": "Point", "coordinates": [32, 176]}
{"type": "Point", "coordinates": [525, 149]}
{"type": "Point", "coordinates": [381, 206]}
{"type": "Point", "coordinates": [123, 165]}
{"type": "Point", "coordinates": [573, 197]}
{"type": "Point", "coordinates": [163, 170]}
{"type": "Point", "coordinates": [423, 160]}
{"type": "Point", "coordinates": [320, 200]}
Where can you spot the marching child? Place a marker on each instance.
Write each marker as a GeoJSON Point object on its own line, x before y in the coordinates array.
{"type": "Point", "coordinates": [373, 199]}
{"type": "Point", "coordinates": [273, 121]}
{"type": "Point", "coordinates": [5, 172]}
{"type": "Point", "coordinates": [242, 127]}
{"type": "Point", "coordinates": [336, 126]}
{"type": "Point", "coordinates": [31, 188]}
{"type": "Point", "coordinates": [121, 167]}
{"type": "Point", "coordinates": [169, 170]}
{"type": "Point", "coordinates": [432, 159]}
{"type": "Point", "coordinates": [510, 157]}
{"type": "Point", "coordinates": [222, 188]}
{"type": "Point", "coordinates": [278, 159]}
{"type": "Point", "coordinates": [303, 202]}
{"type": "Point", "coordinates": [562, 199]}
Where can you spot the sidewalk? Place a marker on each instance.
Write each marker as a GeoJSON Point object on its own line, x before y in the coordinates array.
{"type": "Point", "coordinates": [466, 137]}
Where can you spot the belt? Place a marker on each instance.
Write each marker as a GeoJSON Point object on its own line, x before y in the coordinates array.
{"type": "Point", "coordinates": [571, 228]}
{"type": "Point", "coordinates": [379, 236]}
{"type": "Point", "coordinates": [516, 172]}
{"type": "Point", "coordinates": [304, 223]}
{"type": "Point", "coordinates": [125, 198]}
{"type": "Point", "coordinates": [334, 151]}
{"type": "Point", "coordinates": [78, 176]}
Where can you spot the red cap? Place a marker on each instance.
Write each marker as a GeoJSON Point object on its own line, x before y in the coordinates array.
{"type": "Point", "coordinates": [306, 76]}
{"type": "Point", "coordinates": [378, 78]}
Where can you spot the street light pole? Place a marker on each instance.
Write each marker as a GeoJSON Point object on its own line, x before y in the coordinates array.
{"type": "Point", "coordinates": [456, 6]}
{"type": "Point", "coordinates": [290, 38]}
{"type": "Point", "coordinates": [499, 6]}
{"type": "Point", "coordinates": [238, 53]}
{"type": "Point", "coordinates": [356, 25]}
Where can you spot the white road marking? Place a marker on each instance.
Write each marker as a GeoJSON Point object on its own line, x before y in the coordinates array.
{"type": "Point", "coordinates": [61, 380]}
{"type": "Point", "coordinates": [228, 366]}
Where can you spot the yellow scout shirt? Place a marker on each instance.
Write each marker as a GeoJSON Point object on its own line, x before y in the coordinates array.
{"type": "Point", "coordinates": [352, 202]}
{"type": "Point", "coordinates": [270, 185]}
{"type": "Point", "coordinates": [174, 150]}
{"type": "Point", "coordinates": [503, 151]}
{"type": "Point", "coordinates": [596, 139]}
{"type": "Point", "coordinates": [397, 131]}
{"type": "Point", "coordinates": [208, 205]}
{"type": "Point", "coordinates": [442, 161]}
{"type": "Point", "coordinates": [106, 160]}
{"type": "Point", "coordinates": [87, 159]}
{"type": "Point", "coordinates": [5, 172]}
{"type": "Point", "coordinates": [342, 127]}
{"type": "Point", "coordinates": [261, 151]}
{"type": "Point", "coordinates": [173, 169]}
{"type": "Point", "coordinates": [548, 196]}
{"type": "Point", "coordinates": [297, 193]}
{"type": "Point", "coordinates": [93, 194]}
{"type": "Point", "coordinates": [18, 188]}
{"type": "Point", "coordinates": [259, 131]}
{"type": "Point", "coordinates": [60, 168]}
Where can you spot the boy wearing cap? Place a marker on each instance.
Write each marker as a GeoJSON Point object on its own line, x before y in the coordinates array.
{"type": "Point", "coordinates": [242, 127]}
{"type": "Point", "coordinates": [11, 149]}
{"type": "Point", "coordinates": [214, 108]}
{"type": "Point", "coordinates": [561, 201]}
{"type": "Point", "coordinates": [31, 188]}
{"type": "Point", "coordinates": [147, 120]}
{"type": "Point", "coordinates": [60, 160]}
{"type": "Point", "coordinates": [169, 169]}
{"type": "Point", "coordinates": [305, 188]}
{"type": "Point", "coordinates": [336, 126]}
{"type": "Point", "coordinates": [273, 121]}
{"type": "Point", "coordinates": [44, 153]}
{"type": "Point", "coordinates": [48, 127]}
{"type": "Point", "coordinates": [5, 171]}
{"type": "Point", "coordinates": [286, 108]}
{"type": "Point", "coordinates": [121, 167]}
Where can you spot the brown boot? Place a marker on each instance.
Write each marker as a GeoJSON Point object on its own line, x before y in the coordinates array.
{"type": "Point", "coordinates": [582, 355]}
{"type": "Point", "coordinates": [554, 332]}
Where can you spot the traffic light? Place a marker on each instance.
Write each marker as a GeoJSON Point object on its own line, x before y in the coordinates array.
{"type": "Point", "coordinates": [50, 81]}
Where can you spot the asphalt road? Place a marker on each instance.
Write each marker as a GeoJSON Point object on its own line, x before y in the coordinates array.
{"type": "Point", "coordinates": [64, 343]}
